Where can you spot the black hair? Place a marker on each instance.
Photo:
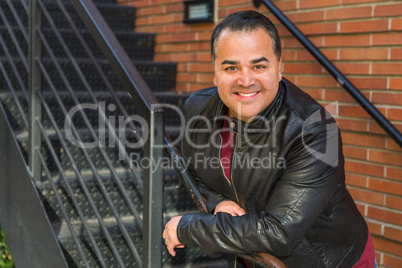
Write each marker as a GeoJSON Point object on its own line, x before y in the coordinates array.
{"type": "Point", "coordinates": [246, 21]}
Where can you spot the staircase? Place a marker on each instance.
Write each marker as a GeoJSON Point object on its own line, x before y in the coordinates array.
{"type": "Point", "coordinates": [93, 197]}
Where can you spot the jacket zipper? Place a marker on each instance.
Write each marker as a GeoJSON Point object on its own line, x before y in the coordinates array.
{"type": "Point", "coordinates": [220, 160]}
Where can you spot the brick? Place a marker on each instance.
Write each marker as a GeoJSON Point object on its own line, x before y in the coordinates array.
{"type": "Point", "coordinates": [202, 27]}
{"type": "Point", "coordinates": [304, 55]}
{"type": "Point", "coordinates": [205, 36]}
{"type": "Point", "coordinates": [364, 168]}
{"type": "Point", "coordinates": [182, 67]}
{"type": "Point", "coordinates": [384, 215]}
{"type": "Point", "coordinates": [162, 19]}
{"type": "Point", "coordinates": [359, 1]}
{"type": "Point", "coordinates": [204, 57]}
{"type": "Point", "coordinates": [387, 246]}
{"type": "Point", "coordinates": [180, 37]}
{"type": "Point", "coordinates": [175, 47]}
{"type": "Point", "coordinates": [205, 78]}
{"type": "Point", "coordinates": [356, 180]}
{"type": "Point", "coordinates": [374, 228]}
{"type": "Point", "coordinates": [361, 208]}
{"type": "Point", "coordinates": [364, 54]}
{"type": "Point", "coordinates": [319, 28]}
{"type": "Point", "coordinates": [175, 28]}
{"type": "Point", "coordinates": [381, 185]}
{"type": "Point", "coordinates": [152, 10]}
{"type": "Point", "coordinates": [352, 125]}
{"type": "Point", "coordinates": [366, 196]}
{"type": "Point", "coordinates": [355, 153]}
{"type": "Point", "coordinates": [223, 3]}
{"type": "Point", "coordinates": [374, 128]}
{"type": "Point", "coordinates": [392, 261]}
{"type": "Point", "coordinates": [353, 68]}
{"type": "Point", "coordinates": [201, 67]}
{"type": "Point", "coordinates": [306, 16]}
{"type": "Point", "coordinates": [288, 56]}
{"type": "Point", "coordinates": [283, 32]}
{"type": "Point", "coordinates": [396, 24]}
{"type": "Point", "coordinates": [185, 77]}
{"type": "Point", "coordinates": [394, 173]}
{"type": "Point", "coordinates": [392, 145]}
{"type": "Point", "coordinates": [389, 158]}
{"type": "Point", "coordinates": [347, 41]}
{"type": "Point", "coordinates": [317, 3]}
{"type": "Point", "coordinates": [393, 202]}
{"type": "Point", "coordinates": [317, 94]}
{"type": "Point", "coordinates": [338, 95]}
{"type": "Point", "coordinates": [369, 83]}
{"type": "Point", "coordinates": [365, 140]}
{"type": "Point", "coordinates": [141, 21]}
{"type": "Point", "coordinates": [355, 111]}
{"type": "Point", "coordinates": [396, 53]}
{"type": "Point", "coordinates": [183, 57]}
{"type": "Point", "coordinates": [316, 81]}
{"type": "Point", "coordinates": [348, 13]}
{"type": "Point", "coordinates": [395, 83]}
{"type": "Point", "coordinates": [387, 68]}
{"type": "Point", "coordinates": [175, 8]}
{"type": "Point", "coordinates": [296, 68]}
{"type": "Point", "coordinates": [394, 114]}
{"type": "Point", "coordinates": [287, 5]}
{"type": "Point", "coordinates": [387, 39]}
{"type": "Point", "coordinates": [393, 233]}
{"type": "Point", "coordinates": [387, 98]}
{"type": "Point", "coordinates": [200, 46]}
{"type": "Point", "coordinates": [292, 42]}
{"type": "Point", "coordinates": [364, 26]}
{"type": "Point", "coordinates": [388, 10]}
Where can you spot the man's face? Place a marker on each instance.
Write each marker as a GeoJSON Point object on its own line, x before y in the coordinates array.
{"type": "Point", "coordinates": [247, 72]}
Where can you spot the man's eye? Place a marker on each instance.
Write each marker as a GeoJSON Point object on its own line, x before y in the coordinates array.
{"type": "Point", "coordinates": [231, 68]}
{"type": "Point", "coordinates": [258, 67]}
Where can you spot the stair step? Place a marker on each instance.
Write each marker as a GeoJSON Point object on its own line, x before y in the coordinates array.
{"type": "Point", "coordinates": [160, 76]}
{"type": "Point", "coordinates": [118, 17]}
{"type": "Point", "coordinates": [139, 46]}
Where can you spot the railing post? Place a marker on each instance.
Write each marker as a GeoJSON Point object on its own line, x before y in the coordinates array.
{"type": "Point", "coordinates": [35, 81]}
{"type": "Point", "coordinates": [153, 193]}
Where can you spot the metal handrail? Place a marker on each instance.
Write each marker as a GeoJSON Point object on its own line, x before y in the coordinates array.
{"type": "Point", "coordinates": [335, 72]}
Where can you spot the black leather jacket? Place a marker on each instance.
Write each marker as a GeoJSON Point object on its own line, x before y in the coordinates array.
{"type": "Point", "coordinates": [292, 187]}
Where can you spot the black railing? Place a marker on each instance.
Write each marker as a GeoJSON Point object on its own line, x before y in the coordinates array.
{"type": "Point", "coordinates": [41, 123]}
{"type": "Point", "coordinates": [338, 75]}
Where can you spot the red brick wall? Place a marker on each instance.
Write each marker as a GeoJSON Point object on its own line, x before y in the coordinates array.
{"type": "Point", "coordinates": [363, 38]}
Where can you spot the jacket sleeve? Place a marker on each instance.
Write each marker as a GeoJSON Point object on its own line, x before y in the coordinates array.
{"type": "Point", "coordinates": [314, 169]}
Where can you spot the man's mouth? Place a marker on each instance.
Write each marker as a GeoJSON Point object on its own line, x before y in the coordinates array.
{"type": "Point", "coordinates": [250, 94]}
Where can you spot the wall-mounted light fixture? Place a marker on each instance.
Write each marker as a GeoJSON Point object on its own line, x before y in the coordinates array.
{"type": "Point", "coordinates": [199, 11]}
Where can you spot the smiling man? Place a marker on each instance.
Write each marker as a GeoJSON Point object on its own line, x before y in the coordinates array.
{"type": "Point", "coordinates": [299, 211]}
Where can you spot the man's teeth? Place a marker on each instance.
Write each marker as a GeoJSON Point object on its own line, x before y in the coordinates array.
{"type": "Point", "coordinates": [247, 94]}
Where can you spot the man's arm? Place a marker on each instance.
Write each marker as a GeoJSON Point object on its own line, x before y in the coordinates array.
{"type": "Point", "coordinates": [295, 205]}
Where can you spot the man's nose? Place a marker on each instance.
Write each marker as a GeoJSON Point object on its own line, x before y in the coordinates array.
{"type": "Point", "coordinates": [246, 78]}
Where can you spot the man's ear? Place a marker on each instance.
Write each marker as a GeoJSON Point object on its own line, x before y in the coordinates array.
{"type": "Point", "coordinates": [215, 80]}
{"type": "Point", "coordinates": [280, 69]}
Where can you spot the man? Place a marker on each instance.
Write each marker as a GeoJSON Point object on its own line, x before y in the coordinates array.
{"type": "Point", "coordinates": [280, 183]}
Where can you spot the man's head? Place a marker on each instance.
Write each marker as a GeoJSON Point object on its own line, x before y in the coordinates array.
{"type": "Point", "coordinates": [246, 21]}
{"type": "Point", "coordinates": [247, 63]}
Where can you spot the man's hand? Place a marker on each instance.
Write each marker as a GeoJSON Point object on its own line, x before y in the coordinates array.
{"type": "Point", "coordinates": [170, 235]}
{"type": "Point", "coordinates": [229, 207]}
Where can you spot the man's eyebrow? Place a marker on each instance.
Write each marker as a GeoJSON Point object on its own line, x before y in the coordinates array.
{"type": "Point", "coordinates": [230, 62]}
{"type": "Point", "coordinates": [259, 60]}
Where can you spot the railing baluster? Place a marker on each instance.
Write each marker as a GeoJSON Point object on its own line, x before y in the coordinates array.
{"type": "Point", "coordinates": [35, 109]}
{"type": "Point", "coordinates": [153, 194]}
